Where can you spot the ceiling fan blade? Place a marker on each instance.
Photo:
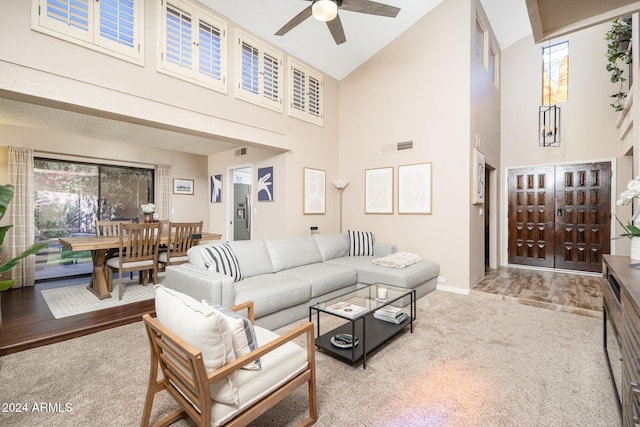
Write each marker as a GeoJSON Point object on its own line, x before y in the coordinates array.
{"type": "Point", "coordinates": [335, 26]}
{"type": "Point", "coordinates": [370, 7]}
{"type": "Point", "coordinates": [297, 20]}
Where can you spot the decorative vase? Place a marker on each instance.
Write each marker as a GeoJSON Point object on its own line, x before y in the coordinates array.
{"type": "Point", "coordinates": [635, 248]}
{"type": "Point", "coordinates": [149, 218]}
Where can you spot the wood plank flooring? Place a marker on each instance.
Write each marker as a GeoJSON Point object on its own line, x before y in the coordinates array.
{"type": "Point", "coordinates": [28, 323]}
{"type": "Point", "coordinates": [578, 293]}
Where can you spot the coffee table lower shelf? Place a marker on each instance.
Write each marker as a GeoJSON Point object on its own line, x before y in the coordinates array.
{"type": "Point", "coordinates": [378, 332]}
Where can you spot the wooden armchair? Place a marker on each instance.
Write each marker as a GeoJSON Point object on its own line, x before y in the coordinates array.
{"type": "Point", "coordinates": [185, 378]}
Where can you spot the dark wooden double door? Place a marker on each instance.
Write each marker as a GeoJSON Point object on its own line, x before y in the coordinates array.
{"type": "Point", "coordinates": [559, 216]}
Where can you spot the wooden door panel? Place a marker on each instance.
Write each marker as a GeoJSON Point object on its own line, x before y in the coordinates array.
{"type": "Point", "coordinates": [582, 215]}
{"type": "Point", "coordinates": [531, 201]}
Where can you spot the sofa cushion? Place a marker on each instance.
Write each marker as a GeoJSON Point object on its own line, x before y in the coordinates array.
{"type": "Point", "coordinates": [360, 243]}
{"type": "Point", "coordinates": [278, 367]}
{"type": "Point", "coordinates": [324, 277]}
{"type": "Point", "coordinates": [272, 292]}
{"type": "Point", "coordinates": [243, 335]}
{"type": "Point", "coordinates": [222, 259]}
{"type": "Point", "coordinates": [292, 252]}
{"type": "Point", "coordinates": [204, 328]}
{"type": "Point", "coordinates": [408, 277]}
{"type": "Point", "coordinates": [253, 257]}
{"type": "Point", "coordinates": [332, 245]}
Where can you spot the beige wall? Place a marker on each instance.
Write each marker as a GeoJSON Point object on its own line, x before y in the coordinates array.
{"type": "Point", "coordinates": [420, 88]}
{"type": "Point", "coordinates": [587, 123]}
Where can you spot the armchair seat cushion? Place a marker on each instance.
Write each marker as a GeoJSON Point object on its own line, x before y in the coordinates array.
{"type": "Point", "coordinates": [278, 367]}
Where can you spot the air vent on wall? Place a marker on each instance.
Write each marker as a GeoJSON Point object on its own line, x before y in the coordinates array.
{"type": "Point", "coordinates": [397, 146]}
{"type": "Point", "coordinates": [241, 151]}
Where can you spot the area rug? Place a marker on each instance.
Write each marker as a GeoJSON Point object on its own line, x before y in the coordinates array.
{"type": "Point", "coordinates": [73, 300]}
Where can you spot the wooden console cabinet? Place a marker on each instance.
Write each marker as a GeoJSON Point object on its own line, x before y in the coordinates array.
{"type": "Point", "coordinates": [621, 303]}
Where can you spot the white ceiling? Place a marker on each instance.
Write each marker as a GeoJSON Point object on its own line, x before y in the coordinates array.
{"type": "Point", "coordinates": [366, 34]}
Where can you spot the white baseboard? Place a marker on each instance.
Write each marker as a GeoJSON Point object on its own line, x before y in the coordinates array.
{"type": "Point", "coordinates": [452, 289]}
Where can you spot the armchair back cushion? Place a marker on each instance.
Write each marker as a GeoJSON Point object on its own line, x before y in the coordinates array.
{"type": "Point", "coordinates": [204, 328]}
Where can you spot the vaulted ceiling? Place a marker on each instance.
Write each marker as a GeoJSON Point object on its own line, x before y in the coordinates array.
{"type": "Point", "coordinates": [311, 42]}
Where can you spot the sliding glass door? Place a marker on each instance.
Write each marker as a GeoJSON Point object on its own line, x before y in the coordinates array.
{"type": "Point", "coordinates": [71, 196]}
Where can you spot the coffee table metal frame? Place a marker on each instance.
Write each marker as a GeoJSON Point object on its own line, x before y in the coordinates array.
{"type": "Point", "coordinates": [371, 332]}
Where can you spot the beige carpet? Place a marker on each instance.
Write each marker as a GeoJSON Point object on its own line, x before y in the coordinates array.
{"type": "Point", "coordinates": [72, 300]}
{"type": "Point", "coordinates": [471, 361]}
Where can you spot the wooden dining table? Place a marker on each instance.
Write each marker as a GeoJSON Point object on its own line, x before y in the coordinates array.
{"type": "Point", "coordinates": [99, 245]}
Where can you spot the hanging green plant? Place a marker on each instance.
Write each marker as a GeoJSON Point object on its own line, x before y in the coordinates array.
{"type": "Point", "coordinates": [618, 53]}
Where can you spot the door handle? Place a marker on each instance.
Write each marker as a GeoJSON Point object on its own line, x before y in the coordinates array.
{"type": "Point", "coordinates": [559, 212]}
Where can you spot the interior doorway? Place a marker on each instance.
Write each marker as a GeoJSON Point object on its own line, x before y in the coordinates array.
{"type": "Point", "coordinates": [559, 216]}
{"type": "Point", "coordinates": [239, 188]}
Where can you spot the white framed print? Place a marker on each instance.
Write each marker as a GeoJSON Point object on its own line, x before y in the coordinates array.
{"type": "Point", "coordinates": [414, 189]}
{"type": "Point", "coordinates": [378, 188]}
{"type": "Point", "coordinates": [313, 191]}
{"type": "Point", "coordinates": [478, 177]}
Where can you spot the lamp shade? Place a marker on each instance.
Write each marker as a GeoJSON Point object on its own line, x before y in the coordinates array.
{"type": "Point", "coordinates": [340, 185]}
{"type": "Point", "coordinates": [324, 10]}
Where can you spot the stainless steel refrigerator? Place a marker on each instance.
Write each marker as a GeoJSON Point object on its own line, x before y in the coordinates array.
{"type": "Point", "coordinates": [242, 212]}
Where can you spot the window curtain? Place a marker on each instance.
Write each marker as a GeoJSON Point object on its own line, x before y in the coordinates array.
{"type": "Point", "coordinates": [163, 201]}
{"type": "Point", "coordinates": [21, 209]}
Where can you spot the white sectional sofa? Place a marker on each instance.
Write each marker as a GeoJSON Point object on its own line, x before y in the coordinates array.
{"type": "Point", "coordinates": [284, 276]}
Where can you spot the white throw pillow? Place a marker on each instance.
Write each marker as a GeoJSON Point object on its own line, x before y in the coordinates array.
{"type": "Point", "coordinates": [360, 243]}
{"type": "Point", "coordinates": [222, 259]}
{"type": "Point", "coordinates": [242, 333]}
{"type": "Point", "coordinates": [205, 329]}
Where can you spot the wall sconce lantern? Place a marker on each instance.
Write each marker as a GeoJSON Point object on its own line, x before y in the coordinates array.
{"type": "Point", "coordinates": [549, 125]}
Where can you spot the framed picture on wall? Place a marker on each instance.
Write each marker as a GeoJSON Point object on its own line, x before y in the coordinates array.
{"type": "Point", "coordinates": [183, 186]}
{"type": "Point", "coordinates": [313, 187]}
{"type": "Point", "coordinates": [216, 188]}
{"type": "Point", "coordinates": [414, 189]}
{"type": "Point", "coordinates": [478, 177]}
{"type": "Point", "coordinates": [265, 184]}
{"type": "Point", "coordinates": [378, 189]}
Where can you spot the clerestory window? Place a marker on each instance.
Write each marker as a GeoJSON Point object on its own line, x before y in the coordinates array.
{"type": "Point", "coordinates": [113, 27]}
{"type": "Point", "coordinates": [260, 73]}
{"type": "Point", "coordinates": [305, 94]}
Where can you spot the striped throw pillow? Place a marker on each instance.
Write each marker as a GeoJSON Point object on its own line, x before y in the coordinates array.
{"type": "Point", "coordinates": [222, 259]}
{"type": "Point", "coordinates": [360, 243]}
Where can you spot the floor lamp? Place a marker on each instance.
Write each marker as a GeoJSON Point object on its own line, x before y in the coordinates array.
{"type": "Point", "coordinates": [340, 185]}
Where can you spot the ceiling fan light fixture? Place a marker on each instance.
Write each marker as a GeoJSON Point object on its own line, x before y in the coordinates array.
{"type": "Point", "coordinates": [324, 10]}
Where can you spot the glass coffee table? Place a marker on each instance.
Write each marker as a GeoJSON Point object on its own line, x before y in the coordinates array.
{"type": "Point", "coordinates": [373, 313]}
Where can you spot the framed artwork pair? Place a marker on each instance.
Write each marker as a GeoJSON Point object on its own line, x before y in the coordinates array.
{"type": "Point", "coordinates": [414, 189]}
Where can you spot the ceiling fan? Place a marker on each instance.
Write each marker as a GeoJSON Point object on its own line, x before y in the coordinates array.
{"type": "Point", "coordinates": [327, 11]}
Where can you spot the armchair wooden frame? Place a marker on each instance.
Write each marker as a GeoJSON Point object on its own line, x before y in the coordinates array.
{"type": "Point", "coordinates": [184, 376]}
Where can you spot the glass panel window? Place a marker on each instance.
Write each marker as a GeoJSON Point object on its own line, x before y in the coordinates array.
{"type": "Point", "coordinates": [555, 76]}
{"type": "Point", "coordinates": [70, 197]}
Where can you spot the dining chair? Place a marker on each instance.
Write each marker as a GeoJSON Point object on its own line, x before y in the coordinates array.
{"type": "Point", "coordinates": [110, 228]}
{"type": "Point", "coordinates": [182, 236]}
{"type": "Point", "coordinates": [137, 251]}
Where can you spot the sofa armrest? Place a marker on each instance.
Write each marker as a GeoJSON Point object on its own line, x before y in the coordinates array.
{"type": "Point", "coordinates": [197, 283]}
{"type": "Point", "coordinates": [383, 249]}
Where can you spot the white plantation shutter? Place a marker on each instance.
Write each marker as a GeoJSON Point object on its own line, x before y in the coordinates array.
{"type": "Point", "coordinates": [110, 26]}
{"type": "Point", "coordinates": [305, 92]}
{"type": "Point", "coordinates": [194, 45]}
{"type": "Point", "coordinates": [260, 75]}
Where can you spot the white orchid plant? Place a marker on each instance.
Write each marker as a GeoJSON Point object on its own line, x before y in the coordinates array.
{"type": "Point", "coordinates": [148, 208]}
{"type": "Point", "coordinates": [627, 196]}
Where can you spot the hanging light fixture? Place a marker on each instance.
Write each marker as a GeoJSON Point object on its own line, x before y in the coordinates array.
{"type": "Point", "coordinates": [324, 10]}
{"type": "Point", "coordinates": [548, 114]}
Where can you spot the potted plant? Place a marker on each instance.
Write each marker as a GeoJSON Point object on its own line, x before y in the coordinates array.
{"type": "Point", "coordinates": [6, 195]}
{"type": "Point", "coordinates": [618, 53]}
{"type": "Point", "coordinates": [631, 230]}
